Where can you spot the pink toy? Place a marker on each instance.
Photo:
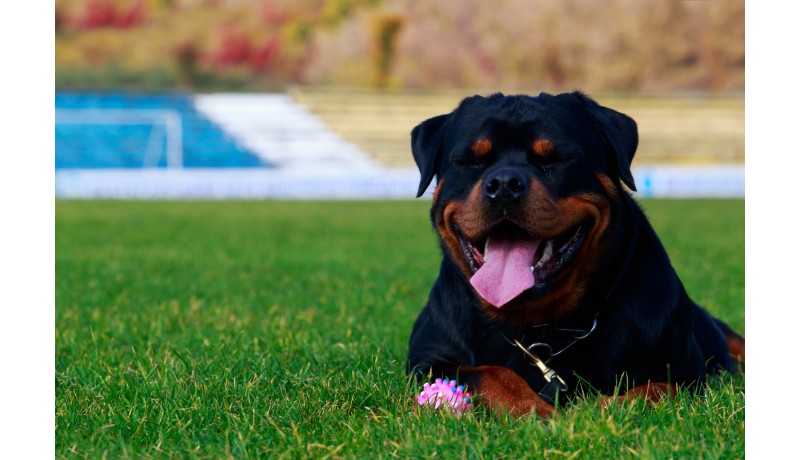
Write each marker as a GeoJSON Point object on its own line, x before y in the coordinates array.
{"type": "Point", "coordinates": [445, 393]}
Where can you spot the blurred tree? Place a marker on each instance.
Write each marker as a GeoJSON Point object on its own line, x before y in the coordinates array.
{"type": "Point", "coordinates": [336, 11]}
{"type": "Point", "coordinates": [97, 13]}
{"type": "Point", "coordinates": [386, 28]}
{"type": "Point", "coordinates": [263, 57]}
{"type": "Point", "coordinates": [60, 19]}
{"type": "Point", "coordinates": [624, 45]}
{"type": "Point", "coordinates": [134, 15]}
{"type": "Point", "coordinates": [233, 48]}
{"type": "Point", "coordinates": [186, 57]}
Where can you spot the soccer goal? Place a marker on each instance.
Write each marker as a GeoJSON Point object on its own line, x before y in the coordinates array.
{"type": "Point", "coordinates": [164, 139]}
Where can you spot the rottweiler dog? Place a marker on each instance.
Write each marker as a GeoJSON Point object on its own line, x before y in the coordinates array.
{"type": "Point", "coordinates": [553, 282]}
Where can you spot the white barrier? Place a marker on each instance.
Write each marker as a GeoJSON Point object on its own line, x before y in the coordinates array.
{"type": "Point", "coordinates": [690, 181]}
{"type": "Point", "coordinates": [234, 184]}
{"type": "Point", "coordinates": [154, 184]}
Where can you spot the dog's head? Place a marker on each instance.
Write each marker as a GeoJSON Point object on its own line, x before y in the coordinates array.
{"type": "Point", "coordinates": [525, 193]}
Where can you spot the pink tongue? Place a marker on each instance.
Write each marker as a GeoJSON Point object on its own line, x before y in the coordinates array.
{"type": "Point", "coordinates": [507, 269]}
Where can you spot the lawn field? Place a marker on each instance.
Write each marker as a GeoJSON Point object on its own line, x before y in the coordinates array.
{"type": "Point", "coordinates": [279, 330]}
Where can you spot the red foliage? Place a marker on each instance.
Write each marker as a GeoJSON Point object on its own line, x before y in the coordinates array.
{"type": "Point", "coordinates": [132, 17]}
{"type": "Point", "coordinates": [264, 56]}
{"type": "Point", "coordinates": [104, 13]}
{"type": "Point", "coordinates": [274, 15]}
{"type": "Point", "coordinates": [97, 14]}
{"type": "Point", "coordinates": [234, 48]}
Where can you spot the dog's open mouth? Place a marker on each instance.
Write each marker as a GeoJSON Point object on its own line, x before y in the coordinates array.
{"type": "Point", "coordinates": [508, 261]}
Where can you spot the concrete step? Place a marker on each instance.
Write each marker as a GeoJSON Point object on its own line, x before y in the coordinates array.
{"type": "Point", "coordinates": [672, 129]}
{"type": "Point", "coordinates": [283, 133]}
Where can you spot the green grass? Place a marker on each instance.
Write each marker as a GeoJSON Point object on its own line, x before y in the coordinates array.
{"type": "Point", "coordinates": [274, 329]}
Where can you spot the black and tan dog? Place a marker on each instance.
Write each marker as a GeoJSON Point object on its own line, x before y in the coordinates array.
{"type": "Point", "coordinates": [552, 279]}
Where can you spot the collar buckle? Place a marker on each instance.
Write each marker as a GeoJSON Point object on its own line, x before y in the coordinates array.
{"type": "Point", "coordinates": [548, 373]}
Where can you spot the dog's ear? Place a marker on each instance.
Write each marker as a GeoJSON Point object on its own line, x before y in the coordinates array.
{"type": "Point", "coordinates": [619, 133]}
{"type": "Point", "coordinates": [426, 141]}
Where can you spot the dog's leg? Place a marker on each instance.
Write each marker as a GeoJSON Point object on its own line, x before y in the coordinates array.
{"type": "Point", "coordinates": [734, 340]}
{"type": "Point", "coordinates": [735, 346]}
{"type": "Point", "coordinates": [717, 340]}
{"type": "Point", "coordinates": [501, 389]}
{"type": "Point", "coordinates": [653, 392]}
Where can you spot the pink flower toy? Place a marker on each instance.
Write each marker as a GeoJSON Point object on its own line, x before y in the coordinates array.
{"type": "Point", "coordinates": [446, 393]}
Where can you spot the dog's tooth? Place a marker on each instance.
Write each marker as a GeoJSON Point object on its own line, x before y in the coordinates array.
{"type": "Point", "coordinates": [548, 252]}
{"type": "Point", "coordinates": [486, 250]}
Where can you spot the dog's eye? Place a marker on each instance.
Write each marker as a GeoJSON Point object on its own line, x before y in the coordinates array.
{"type": "Point", "coordinates": [538, 161]}
{"type": "Point", "coordinates": [550, 165]}
{"type": "Point", "coordinates": [547, 170]}
{"type": "Point", "coordinates": [468, 162]}
{"type": "Point", "coordinates": [549, 160]}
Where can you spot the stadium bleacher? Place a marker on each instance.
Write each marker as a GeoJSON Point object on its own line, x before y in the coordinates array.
{"type": "Point", "coordinates": [325, 144]}
{"type": "Point", "coordinates": [92, 139]}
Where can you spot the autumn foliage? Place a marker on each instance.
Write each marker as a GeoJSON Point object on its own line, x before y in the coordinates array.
{"type": "Point", "coordinates": [621, 45]}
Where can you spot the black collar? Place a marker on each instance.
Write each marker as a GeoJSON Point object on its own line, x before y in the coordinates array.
{"type": "Point", "coordinates": [551, 340]}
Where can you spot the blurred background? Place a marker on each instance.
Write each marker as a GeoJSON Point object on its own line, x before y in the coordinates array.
{"type": "Point", "coordinates": [316, 98]}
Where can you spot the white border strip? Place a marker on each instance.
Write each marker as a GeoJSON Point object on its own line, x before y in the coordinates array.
{"type": "Point", "coordinates": [154, 184]}
{"type": "Point", "coordinates": [234, 184]}
{"type": "Point", "coordinates": [712, 181]}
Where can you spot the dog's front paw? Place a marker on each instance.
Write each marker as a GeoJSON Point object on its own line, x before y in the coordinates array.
{"type": "Point", "coordinates": [653, 392]}
{"type": "Point", "coordinates": [503, 390]}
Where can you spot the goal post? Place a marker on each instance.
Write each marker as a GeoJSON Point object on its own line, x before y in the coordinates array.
{"type": "Point", "coordinates": [167, 129]}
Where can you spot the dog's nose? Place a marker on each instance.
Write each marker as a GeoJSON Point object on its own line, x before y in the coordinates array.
{"type": "Point", "coordinates": [506, 184]}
